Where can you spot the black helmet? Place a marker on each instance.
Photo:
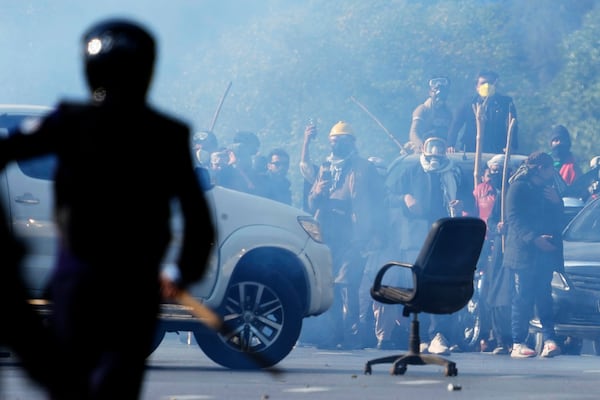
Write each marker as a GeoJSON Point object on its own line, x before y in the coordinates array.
{"type": "Point", "coordinates": [119, 57]}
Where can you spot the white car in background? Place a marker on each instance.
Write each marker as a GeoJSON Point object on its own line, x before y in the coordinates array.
{"type": "Point", "coordinates": [268, 271]}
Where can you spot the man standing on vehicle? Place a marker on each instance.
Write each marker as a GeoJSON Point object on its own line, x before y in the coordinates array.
{"type": "Point", "coordinates": [496, 109]}
{"type": "Point", "coordinates": [433, 117]}
{"type": "Point", "coordinates": [113, 209]}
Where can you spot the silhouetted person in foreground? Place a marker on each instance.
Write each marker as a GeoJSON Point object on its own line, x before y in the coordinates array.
{"type": "Point", "coordinates": [120, 165]}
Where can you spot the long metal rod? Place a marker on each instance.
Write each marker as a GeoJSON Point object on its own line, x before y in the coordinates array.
{"type": "Point", "coordinates": [218, 110]}
{"type": "Point", "coordinates": [507, 152]}
{"type": "Point", "coordinates": [358, 103]}
{"type": "Point", "coordinates": [479, 109]}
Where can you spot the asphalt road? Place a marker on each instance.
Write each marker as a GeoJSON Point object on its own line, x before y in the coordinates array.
{"type": "Point", "coordinates": [178, 371]}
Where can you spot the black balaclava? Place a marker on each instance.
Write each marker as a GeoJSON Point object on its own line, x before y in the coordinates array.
{"type": "Point", "coordinates": [560, 149]}
{"type": "Point", "coordinates": [342, 148]}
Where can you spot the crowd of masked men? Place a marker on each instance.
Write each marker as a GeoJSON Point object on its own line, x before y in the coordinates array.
{"type": "Point", "coordinates": [369, 216]}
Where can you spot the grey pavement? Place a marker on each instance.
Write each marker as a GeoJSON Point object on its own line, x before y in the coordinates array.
{"type": "Point", "coordinates": [178, 371]}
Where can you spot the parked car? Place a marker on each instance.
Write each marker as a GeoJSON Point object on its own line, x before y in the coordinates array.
{"type": "Point", "coordinates": [268, 271]}
{"type": "Point", "coordinates": [576, 292]}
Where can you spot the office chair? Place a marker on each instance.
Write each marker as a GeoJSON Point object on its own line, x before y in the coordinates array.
{"type": "Point", "coordinates": [442, 278]}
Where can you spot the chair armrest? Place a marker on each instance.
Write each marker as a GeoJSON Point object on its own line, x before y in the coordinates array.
{"type": "Point", "coordinates": [389, 294]}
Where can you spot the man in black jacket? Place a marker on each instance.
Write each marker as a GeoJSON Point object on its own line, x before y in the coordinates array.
{"type": "Point", "coordinates": [496, 109]}
{"type": "Point", "coordinates": [533, 250]}
{"type": "Point", "coordinates": [113, 195]}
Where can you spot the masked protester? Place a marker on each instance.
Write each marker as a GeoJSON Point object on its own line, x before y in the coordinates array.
{"type": "Point", "coordinates": [497, 110]}
{"type": "Point", "coordinates": [533, 251]}
{"type": "Point", "coordinates": [487, 190]}
{"type": "Point", "coordinates": [560, 149]}
{"type": "Point", "coordinates": [348, 199]}
{"type": "Point", "coordinates": [495, 301]}
{"type": "Point", "coordinates": [420, 195]}
{"type": "Point", "coordinates": [432, 117]}
{"type": "Point", "coordinates": [278, 183]}
{"type": "Point", "coordinates": [203, 144]}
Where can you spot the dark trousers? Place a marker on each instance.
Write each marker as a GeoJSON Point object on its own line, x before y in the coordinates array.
{"type": "Point", "coordinates": [532, 292]}
{"type": "Point", "coordinates": [94, 315]}
{"type": "Point", "coordinates": [501, 325]}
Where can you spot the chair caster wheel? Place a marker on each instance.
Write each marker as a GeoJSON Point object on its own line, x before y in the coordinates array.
{"type": "Point", "coordinates": [398, 369]}
{"type": "Point", "coordinates": [451, 370]}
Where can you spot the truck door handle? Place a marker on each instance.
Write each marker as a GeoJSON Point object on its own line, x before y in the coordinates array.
{"type": "Point", "coordinates": [27, 198]}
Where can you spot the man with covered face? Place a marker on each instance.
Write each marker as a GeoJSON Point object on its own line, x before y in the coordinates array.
{"type": "Point", "coordinates": [433, 116]}
{"type": "Point", "coordinates": [419, 195]}
{"type": "Point", "coordinates": [533, 251]}
{"type": "Point", "coordinates": [560, 149]}
{"type": "Point", "coordinates": [497, 110]}
{"type": "Point", "coordinates": [347, 198]}
{"type": "Point", "coordinates": [496, 286]}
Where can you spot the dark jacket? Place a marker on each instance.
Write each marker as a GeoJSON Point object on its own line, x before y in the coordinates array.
{"type": "Point", "coordinates": [495, 126]}
{"type": "Point", "coordinates": [529, 215]}
{"type": "Point", "coordinates": [357, 202]}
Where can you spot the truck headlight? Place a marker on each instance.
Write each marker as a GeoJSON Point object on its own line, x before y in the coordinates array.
{"type": "Point", "coordinates": [311, 227]}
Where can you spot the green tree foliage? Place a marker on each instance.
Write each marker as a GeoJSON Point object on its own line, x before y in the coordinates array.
{"type": "Point", "coordinates": [309, 59]}
{"type": "Point", "coordinates": [574, 94]}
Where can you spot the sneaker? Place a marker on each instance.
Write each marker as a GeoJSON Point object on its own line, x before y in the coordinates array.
{"type": "Point", "coordinates": [500, 350]}
{"type": "Point", "coordinates": [551, 349]}
{"type": "Point", "coordinates": [520, 350]}
{"type": "Point", "coordinates": [439, 345]}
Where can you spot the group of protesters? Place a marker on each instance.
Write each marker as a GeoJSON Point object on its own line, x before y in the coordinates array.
{"type": "Point", "coordinates": [367, 215]}
{"type": "Point", "coordinates": [370, 215]}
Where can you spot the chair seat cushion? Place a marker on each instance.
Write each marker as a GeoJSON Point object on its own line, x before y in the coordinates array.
{"type": "Point", "coordinates": [392, 295]}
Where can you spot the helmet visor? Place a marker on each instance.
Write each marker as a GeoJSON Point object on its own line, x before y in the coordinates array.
{"type": "Point", "coordinates": [434, 147]}
{"type": "Point", "coordinates": [436, 83]}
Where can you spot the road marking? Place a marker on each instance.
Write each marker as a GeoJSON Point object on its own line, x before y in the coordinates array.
{"type": "Point", "coordinates": [310, 389]}
{"type": "Point", "coordinates": [419, 382]}
{"type": "Point", "coordinates": [188, 397]}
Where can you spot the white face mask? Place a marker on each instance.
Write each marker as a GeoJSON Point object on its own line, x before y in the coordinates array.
{"type": "Point", "coordinates": [432, 164]}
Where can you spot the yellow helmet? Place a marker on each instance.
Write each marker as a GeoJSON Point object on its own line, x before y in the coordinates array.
{"type": "Point", "coordinates": [341, 128]}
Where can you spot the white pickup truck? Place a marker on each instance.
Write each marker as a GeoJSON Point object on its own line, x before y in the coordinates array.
{"type": "Point", "coordinates": [268, 271]}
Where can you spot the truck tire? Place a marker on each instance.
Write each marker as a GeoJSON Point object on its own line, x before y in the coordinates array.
{"type": "Point", "coordinates": [264, 318]}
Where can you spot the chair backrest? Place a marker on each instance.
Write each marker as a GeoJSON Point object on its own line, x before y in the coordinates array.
{"type": "Point", "coordinates": [446, 265]}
